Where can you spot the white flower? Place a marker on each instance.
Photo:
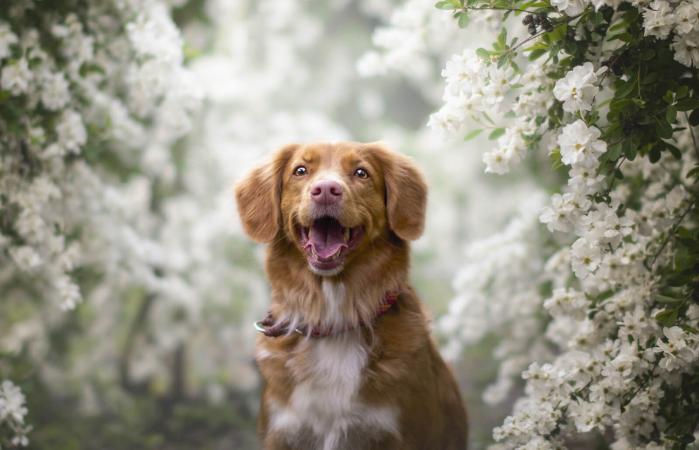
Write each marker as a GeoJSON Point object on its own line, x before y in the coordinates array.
{"type": "Point", "coordinates": [449, 119]}
{"type": "Point", "coordinates": [16, 77]}
{"type": "Point", "coordinates": [497, 161]}
{"type": "Point", "coordinates": [604, 224]}
{"type": "Point", "coordinates": [7, 39]}
{"type": "Point", "coordinates": [636, 324]}
{"type": "Point", "coordinates": [68, 292]}
{"type": "Point", "coordinates": [566, 302]}
{"type": "Point", "coordinates": [585, 257]}
{"type": "Point", "coordinates": [11, 402]}
{"type": "Point", "coordinates": [687, 17]}
{"type": "Point", "coordinates": [463, 68]}
{"type": "Point", "coordinates": [589, 415]}
{"type": "Point", "coordinates": [577, 89]}
{"type": "Point", "coordinates": [600, 3]}
{"type": "Point", "coordinates": [26, 258]}
{"type": "Point", "coordinates": [570, 7]}
{"type": "Point", "coordinates": [676, 349]}
{"type": "Point", "coordinates": [564, 211]}
{"type": "Point", "coordinates": [71, 131]}
{"type": "Point", "coordinates": [580, 145]}
{"type": "Point", "coordinates": [499, 83]}
{"type": "Point", "coordinates": [658, 19]}
{"type": "Point", "coordinates": [155, 35]}
{"type": "Point", "coordinates": [584, 180]}
{"type": "Point", "coordinates": [54, 91]}
{"type": "Point", "coordinates": [687, 48]}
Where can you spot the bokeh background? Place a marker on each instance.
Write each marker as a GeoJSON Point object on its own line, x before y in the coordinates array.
{"type": "Point", "coordinates": [158, 352]}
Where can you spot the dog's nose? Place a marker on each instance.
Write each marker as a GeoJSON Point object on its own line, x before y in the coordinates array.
{"type": "Point", "coordinates": [326, 192]}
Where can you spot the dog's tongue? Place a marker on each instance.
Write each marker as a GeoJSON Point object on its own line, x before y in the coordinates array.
{"type": "Point", "coordinates": [327, 237]}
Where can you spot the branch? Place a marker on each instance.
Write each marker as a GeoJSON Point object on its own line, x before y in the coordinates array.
{"type": "Point", "coordinates": [669, 236]}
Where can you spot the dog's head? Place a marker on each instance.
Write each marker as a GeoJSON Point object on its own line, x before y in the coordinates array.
{"type": "Point", "coordinates": [333, 201]}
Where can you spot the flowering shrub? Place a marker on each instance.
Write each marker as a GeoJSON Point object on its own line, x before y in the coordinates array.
{"type": "Point", "coordinates": [601, 316]}
{"type": "Point", "coordinates": [83, 100]}
{"type": "Point", "coordinates": [13, 431]}
{"type": "Point", "coordinates": [91, 101]}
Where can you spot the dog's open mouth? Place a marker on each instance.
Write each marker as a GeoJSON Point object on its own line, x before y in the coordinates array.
{"type": "Point", "coordinates": [327, 243]}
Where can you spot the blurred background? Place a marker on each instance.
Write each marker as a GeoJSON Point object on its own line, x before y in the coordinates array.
{"type": "Point", "coordinates": [158, 354]}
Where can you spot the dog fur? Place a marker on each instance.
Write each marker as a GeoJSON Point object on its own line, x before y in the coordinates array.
{"type": "Point", "coordinates": [380, 382]}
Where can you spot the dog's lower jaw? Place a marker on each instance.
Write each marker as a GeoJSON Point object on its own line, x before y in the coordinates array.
{"type": "Point", "coordinates": [326, 272]}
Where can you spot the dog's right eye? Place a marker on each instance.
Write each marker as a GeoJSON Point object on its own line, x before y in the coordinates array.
{"type": "Point", "coordinates": [300, 171]}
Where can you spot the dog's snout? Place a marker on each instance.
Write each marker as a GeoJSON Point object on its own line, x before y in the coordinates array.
{"type": "Point", "coordinates": [326, 192]}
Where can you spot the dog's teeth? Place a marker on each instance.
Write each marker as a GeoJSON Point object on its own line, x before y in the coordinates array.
{"type": "Point", "coordinates": [347, 234]}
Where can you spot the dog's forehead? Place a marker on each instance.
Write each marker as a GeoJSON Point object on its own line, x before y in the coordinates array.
{"type": "Point", "coordinates": [329, 154]}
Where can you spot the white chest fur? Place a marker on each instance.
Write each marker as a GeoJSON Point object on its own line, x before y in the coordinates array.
{"type": "Point", "coordinates": [325, 401]}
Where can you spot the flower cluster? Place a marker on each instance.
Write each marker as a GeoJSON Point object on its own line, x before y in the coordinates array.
{"type": "Point", "coordinates": [87, 94]}
{"type": "Point", "coordinates": [598, 313]}
{"type": "Point", "coordinates": [663, 19]}
{"type": "Point", "coordinates": [90, 106]}
{"type": "Point", "coordinates": [13, 430]}
{"type": "Point", "coordinates": [475, 87]}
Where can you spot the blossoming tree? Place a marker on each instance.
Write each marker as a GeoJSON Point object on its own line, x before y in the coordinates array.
{"type": "Point", "coordinates": [600, 317]}
{"type": "Point", "coordinates": [127, 289]}
{"type": "Point", "coordinates": [91, 101]}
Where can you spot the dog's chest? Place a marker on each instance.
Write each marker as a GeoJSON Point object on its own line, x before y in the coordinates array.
{"type": "Point", "coordinates": [324, 410]}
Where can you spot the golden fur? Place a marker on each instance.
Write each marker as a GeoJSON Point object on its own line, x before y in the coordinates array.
{"type": "Point", "coordinates": [403, 384]}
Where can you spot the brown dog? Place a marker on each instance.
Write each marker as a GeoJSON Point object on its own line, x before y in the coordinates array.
{"type": "Point", "coordinates": [345, 350]}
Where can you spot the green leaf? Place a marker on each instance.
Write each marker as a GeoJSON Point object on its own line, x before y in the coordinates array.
{"type": "Point", "coordinates": [663, 129]}
{"type": "Point", "coordinates": [556, 161]}
{"type": "Point", "coordinates": [676, 152]}
{"type": "Point", "coordinates": [463, 20]}
{"type": "Point", "coordinates": [687, 104]}
{"type": "Point", "coordinates": [447, 4]}
{"type": "Point", "coordinates": [483, 53]}
{"type": "Point", "coordinates": [667, 299]}
{"type": "Point", "coordinates": [654, 154]}
{"type": "Point", "coordinates": [671, 114]}
{"type": "Point", "coordinates": [536, 54]}
{"type": "Point", "coordinates": [614, 152]}
{"type": "Point", "coordinates": [626, 88]}
{"type": "Point", "coordinates": [502, 38]}
{"type": "Point", "coordinates": [617, 26]}
{"type": "Point", "coordinates": [472, 134]}
{"type": "Point", "coordinates": [666, 317]}
{"type": "Point", "coordinates": [630, 150]}
{"type": "Point", "coordinates": [496, 133]}
{"type": "Point", "coordinates": [668, 97]}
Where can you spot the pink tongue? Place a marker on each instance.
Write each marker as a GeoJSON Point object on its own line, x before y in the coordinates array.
{"type": "Point", "coordinates": [327, 237]}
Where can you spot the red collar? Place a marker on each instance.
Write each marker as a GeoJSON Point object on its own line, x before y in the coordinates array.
{"type": "Point", "coordinates": [269, 329]}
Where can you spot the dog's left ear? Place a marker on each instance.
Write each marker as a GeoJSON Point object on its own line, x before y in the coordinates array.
{"type": "Point", "coordinates": [406, 193]}
{"type": "Point", "coordinates": [258, 197]}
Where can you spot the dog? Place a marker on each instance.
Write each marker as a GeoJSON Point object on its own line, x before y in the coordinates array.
{"type": "Point", "coordinates": [345, 351]}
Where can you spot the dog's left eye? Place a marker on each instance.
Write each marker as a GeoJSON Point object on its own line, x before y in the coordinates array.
{"type": "Point", "coordinates": [300, 171]}
{"type": "Point", "coordinates": [361, 173]}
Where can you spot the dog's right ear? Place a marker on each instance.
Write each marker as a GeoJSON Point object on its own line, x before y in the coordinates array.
{"type": "Point", "coordinates": [258, 197]}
